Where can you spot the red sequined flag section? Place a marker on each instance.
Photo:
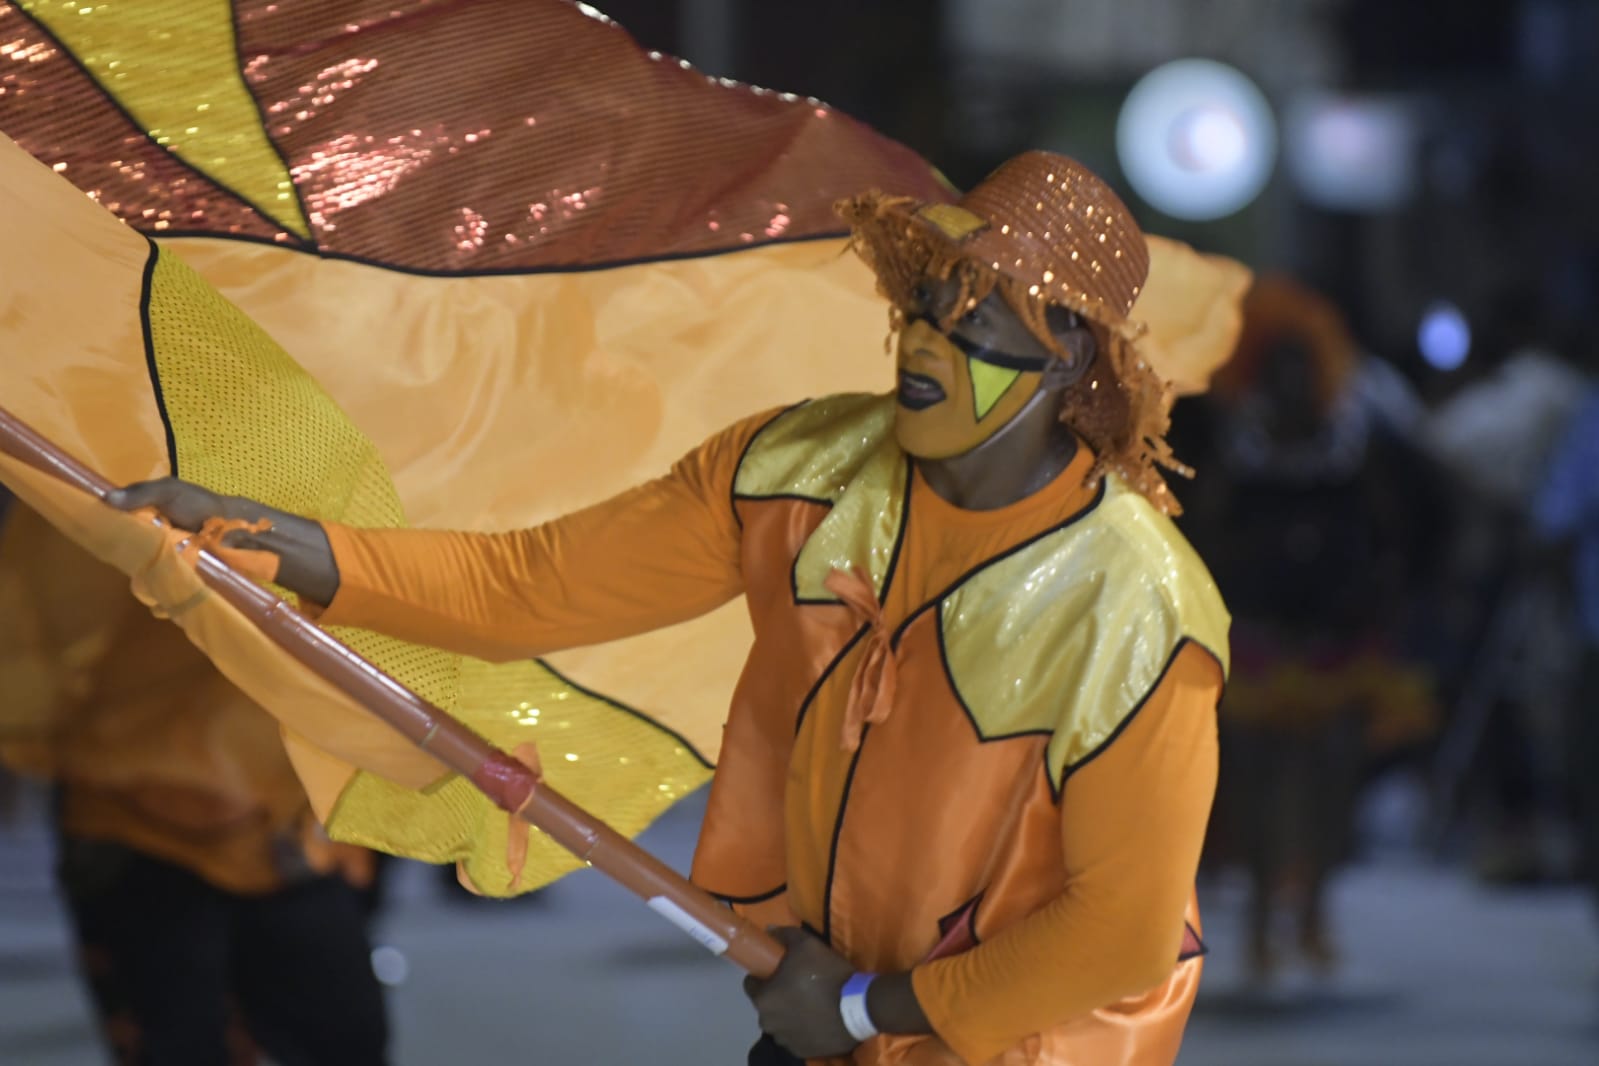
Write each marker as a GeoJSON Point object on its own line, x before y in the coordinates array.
{"type": "Point", "coordinates": [52, 107]}
{"type": "Point", "coordinates": [448, 136]}
{"type": "Point", "coordinates": [434, 135]}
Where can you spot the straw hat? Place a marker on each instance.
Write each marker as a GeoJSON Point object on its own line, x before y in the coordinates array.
{"type": "Point", "coordinates": [1046, 231]}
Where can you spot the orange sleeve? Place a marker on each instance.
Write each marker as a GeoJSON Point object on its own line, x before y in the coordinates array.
{"type": "Point", "coordinates": [1133, 820]}
{"type": "Point", "coordinates": [657, 554]}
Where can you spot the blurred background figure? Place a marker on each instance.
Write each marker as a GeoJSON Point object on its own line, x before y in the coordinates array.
{"type": "Point", "coordinates": [212, 919]}
{"type": "Point", "coordinates": [1505, 619]}
{"type": "Point", "coordinates": [1566, 524]}
{"type": "Point", "coordinates": [1299, 511]}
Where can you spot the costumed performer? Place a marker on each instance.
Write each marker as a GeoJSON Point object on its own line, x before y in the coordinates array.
{"type": "Point", "coordinates": [970, 759]}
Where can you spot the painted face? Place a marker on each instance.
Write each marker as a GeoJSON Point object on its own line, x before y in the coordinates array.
{"type": "Point", "coordinates": [957, 390]}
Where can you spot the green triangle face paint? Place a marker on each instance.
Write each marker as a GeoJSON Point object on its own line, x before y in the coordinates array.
{"type": "Point", "coordinates": [989, 385]}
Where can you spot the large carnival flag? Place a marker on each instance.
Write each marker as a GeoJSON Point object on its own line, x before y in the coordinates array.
{"type": "Point", "coordinates": [463, 265]}
{"type": "Point", "coordinates": [468, 265]}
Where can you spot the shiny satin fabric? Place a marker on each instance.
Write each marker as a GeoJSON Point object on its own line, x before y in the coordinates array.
{"type": "Point", "coordinates": [566, 389]}
{"type": "Point", "coordinates": [68, 254]}
{"type": "Point", "coordinates": [491, 400]}
{"type": "Point", "coordinates": [1012, 635]}
{"type": "Point", "coordinates": [994, 742]}
{"type": "Point", "coordinates": [1145, 1030]}
{"type": "Point", "coordinates": [641, 345]}
{"type": "Point", "coordinates": [498, 401]}
{"type": "Point", "coordinates": [453, 140]}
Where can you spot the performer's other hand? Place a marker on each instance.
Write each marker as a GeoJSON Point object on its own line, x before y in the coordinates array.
{"type": "Point", "coordinates": [183, 503]}
{"type": "Point", "coordinates": [798, 1005]}
{"type": "Point", "coordinates": [301, 545]}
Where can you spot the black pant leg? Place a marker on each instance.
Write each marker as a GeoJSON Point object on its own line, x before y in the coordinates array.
{"type": "Point", "coordinates": [767, 1052]}
{"type": "Point", "coordinates": [153, 946]}
{"type": "Point", "coordinates": [303, 970]}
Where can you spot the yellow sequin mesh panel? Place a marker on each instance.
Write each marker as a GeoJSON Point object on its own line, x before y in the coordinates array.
{"type": "Point", "coordinates": [1068, 635]}
{"type": "Point", "coordinates": [840, 449]}
{"type": "Point", "coordinates": [173, 65]}
{"type": "Point", "coordinates": [601, 758]}
{"type": "Point", "coordinates": [247, 420]}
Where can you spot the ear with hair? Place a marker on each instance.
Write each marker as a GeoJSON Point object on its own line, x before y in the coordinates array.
{"type": "Point", "coordinates": [1069, 367]}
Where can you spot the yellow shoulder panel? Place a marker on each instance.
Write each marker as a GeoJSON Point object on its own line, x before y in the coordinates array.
{"type": "Point", "coordinates": [1068, 635]}
{"type": "Point", "coordinates": [816, 449]}
{"type": "Point", "coordinates": [838, 450]}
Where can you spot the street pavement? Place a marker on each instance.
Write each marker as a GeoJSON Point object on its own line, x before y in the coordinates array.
{"type": "Point", "coordinates": [1437, 971]}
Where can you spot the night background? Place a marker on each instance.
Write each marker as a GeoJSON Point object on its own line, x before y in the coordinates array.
{"type": "Point", "coordinates": [1403, 865]}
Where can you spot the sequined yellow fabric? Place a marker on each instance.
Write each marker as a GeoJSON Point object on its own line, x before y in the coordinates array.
{"type": "Point", "coordinates": [816, 449]}
{"type": "Point", "coordinates": [601, 758]}
{"type": "Point", "coordinates": [174, 66]}
{"type": "Point", "coordinates": [1070, 634]}
{"type": "Point", "coordinates": [56, 111]}
{"type": "Point", "coordinates": [1064, 637]}
{"type": "Point", "coordinates": [840, 450]}
{"type": "Point", "coordinates": [954, 222]}
{"type": "Point", "coordinates": [246, 419]}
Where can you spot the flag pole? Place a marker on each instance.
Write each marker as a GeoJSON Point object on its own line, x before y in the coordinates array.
{"type": "Point", "coordinates": [509, 783]}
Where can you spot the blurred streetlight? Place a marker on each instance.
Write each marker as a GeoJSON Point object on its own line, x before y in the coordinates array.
{"type": "Point", "coordinates": [1196, 139]}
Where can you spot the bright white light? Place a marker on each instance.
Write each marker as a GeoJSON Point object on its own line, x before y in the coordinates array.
{"type": "Point", "coordinates": [390, 966]}
{"type": "Point", "coordinates": [1209, 139]}
{"type": "Point", "coordinates": [1444, 336]}
{"type": "Point", "coordinates": [1196, 139]}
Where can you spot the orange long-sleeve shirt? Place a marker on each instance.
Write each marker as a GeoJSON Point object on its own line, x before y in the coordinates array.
{"type": "Point", "coordinates": [1073, 892]}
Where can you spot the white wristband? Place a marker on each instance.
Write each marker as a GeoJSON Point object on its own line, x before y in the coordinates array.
{"type": "Point", "coordinates": [852, 1007]}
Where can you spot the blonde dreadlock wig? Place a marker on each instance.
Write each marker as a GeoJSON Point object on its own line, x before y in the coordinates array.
{"type": "Point", "coordinates": [1046, 233]}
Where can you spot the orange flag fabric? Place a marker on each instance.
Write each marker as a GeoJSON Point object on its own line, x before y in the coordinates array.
{"type": "Point", "coordinates": [458, 265]}
{"type": "Point", "coordinates": [582, 261]}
